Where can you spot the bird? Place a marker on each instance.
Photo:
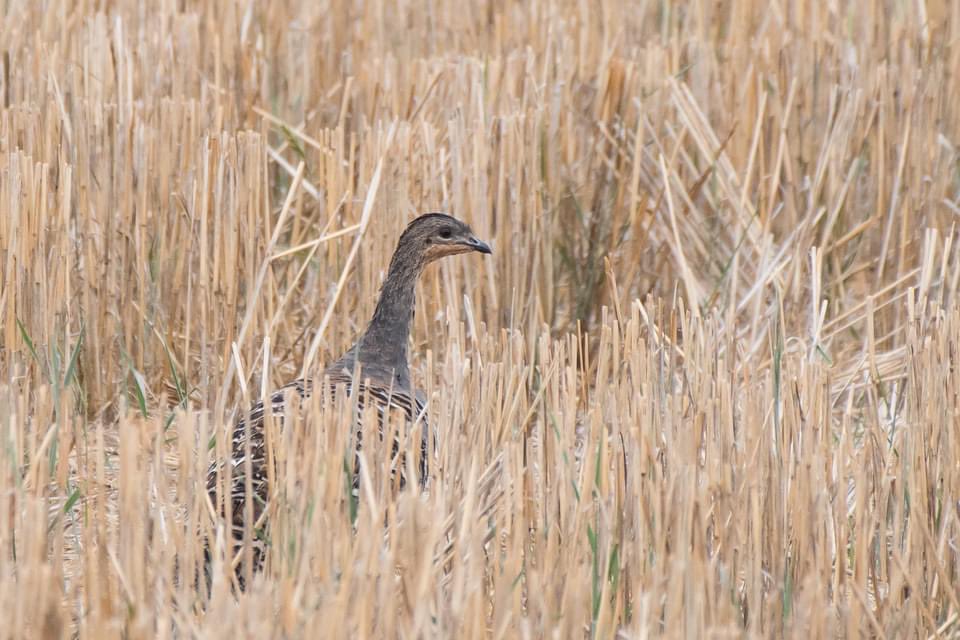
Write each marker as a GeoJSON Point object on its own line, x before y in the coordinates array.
{"type": "Point", "coordinates": [380, 354]}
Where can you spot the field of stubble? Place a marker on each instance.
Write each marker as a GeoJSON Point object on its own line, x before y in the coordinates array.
{"type": "Point", "coordinates": [705, 386]}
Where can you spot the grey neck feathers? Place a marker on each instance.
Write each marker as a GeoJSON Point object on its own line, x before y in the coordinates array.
{"type": "Point", "coordinates": [382, 349]}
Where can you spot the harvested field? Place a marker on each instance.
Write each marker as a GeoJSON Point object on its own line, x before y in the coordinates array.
{"type": "Point", "coordinates": [706, 386]}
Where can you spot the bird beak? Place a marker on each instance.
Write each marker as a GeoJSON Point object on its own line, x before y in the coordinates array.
{"type": "Point", "coordinates": [478, 245]}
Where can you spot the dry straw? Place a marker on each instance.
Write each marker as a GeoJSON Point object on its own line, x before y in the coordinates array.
{"type": "Point", "coordinates": [706, 387]}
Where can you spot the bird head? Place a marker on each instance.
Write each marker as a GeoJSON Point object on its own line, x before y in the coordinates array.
{"type": "Point", "coordinates": [437, 235]}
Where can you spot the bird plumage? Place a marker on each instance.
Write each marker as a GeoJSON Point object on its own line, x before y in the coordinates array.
{"type": "Point", "coordinates": [380, 355]}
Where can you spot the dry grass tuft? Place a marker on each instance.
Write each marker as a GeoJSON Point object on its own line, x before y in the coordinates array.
{"type": "Point", "coordinates": [705, 387]}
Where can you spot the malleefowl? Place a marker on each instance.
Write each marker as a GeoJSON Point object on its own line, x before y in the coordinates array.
{"type": "Point", "coordinates": [380, 354]}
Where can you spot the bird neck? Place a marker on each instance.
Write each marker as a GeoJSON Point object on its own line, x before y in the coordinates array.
{"type": "Point", "coordinates": [384, 343]}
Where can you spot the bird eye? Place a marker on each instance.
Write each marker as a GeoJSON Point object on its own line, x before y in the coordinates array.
{"type": "Point", "coordinates": [446, 233]}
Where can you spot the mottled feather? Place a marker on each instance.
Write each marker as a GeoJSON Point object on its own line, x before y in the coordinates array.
{"type": "Point", "coordinates": [381, 353]}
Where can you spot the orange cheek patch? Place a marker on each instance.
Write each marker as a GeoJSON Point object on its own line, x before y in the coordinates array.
{"type": "Point", "coordinates": [437, 251]}
{"type": "Point", "coordinates": [434, 252]}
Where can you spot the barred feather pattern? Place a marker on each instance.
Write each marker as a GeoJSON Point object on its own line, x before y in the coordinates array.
{"type": "Point", "coordinates": [381, 353]}
{"type": "Point", "coordinates": [385, 400]}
